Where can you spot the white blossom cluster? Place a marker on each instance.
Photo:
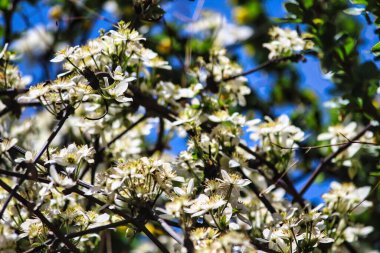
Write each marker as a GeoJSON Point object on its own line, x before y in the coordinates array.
{"type": "Point", "coordinates": [286, 42]}
{"type": "Point", "coordinates": [221, 194]}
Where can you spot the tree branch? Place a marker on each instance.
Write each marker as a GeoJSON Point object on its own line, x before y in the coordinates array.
{"type": "Point", "coordinates": [328, 159]}
{"type": "Point", "coordinates": [31, 167]}
{"type": "Point", "coordinates": [43, 219]}
{"type": "Point", "coordinates": [295, 57]}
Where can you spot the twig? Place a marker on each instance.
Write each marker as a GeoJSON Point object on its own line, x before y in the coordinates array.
{"type": "Point", "coordinates": [30, 167]}
{"type": "Point", "coordinates": [295, 57]}
{"type": "Point", "coordinates": [123, 133]}
{"type": "Point", "coordinates": [19, 175]}
{"type": "Point", "coordinates": [43, 219]}
{"type": "Point", "coordinates": [328, 159]}
{"type": "Point", "coordinates": [126, 217]}
{"type": "Point", "coordinates": [97, 229]}
{"type": "Point", "coordinates": [370, 193]}
{"type": "Point", "coordinates": [260, 196]}
{"type": "Point", "coordinates": [326, 146]}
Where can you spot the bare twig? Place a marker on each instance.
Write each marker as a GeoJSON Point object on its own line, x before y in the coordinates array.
{"type": "Point", "coordinates": [325, 146]}
{"type": "Point", "coordinates": [129, 128]}
{"type": "Point", "coordinates": [126, 217]}
{"type": "Point", "coordinates": [328, 159]}
{"type": "Point", "coordinates": [31, 167]}
{"type": "Point", "coordinates": [295, 57]}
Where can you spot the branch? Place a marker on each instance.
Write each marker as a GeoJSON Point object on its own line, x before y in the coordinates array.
{"type": "Point", "coordinates": [328, 159]}
{"type": "Point", "coordinates": [31, 167]}
{"type": "Point", "coordinates": [295, 58]}
{"type": "Point", "coordinates": [8, 21]}
{"type": "Point", "coordinates": [260, 196]}
{"type": "Point", "coordinates": [326, 146]}
{"type": "Point", "coordinates": [287, 185]}
{"type": "Point", "coordinates": [43, 219]}
{"type": "Point", "coordinates": [124, 132]}
{"type": "Point", "coordinates": [13, 92]}
{"type": "Point", "coordinates": [126, 217]}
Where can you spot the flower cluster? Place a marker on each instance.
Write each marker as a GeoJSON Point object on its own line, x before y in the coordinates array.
{"type": "Point", "coordinates": [285, 42]}
{"type": "Point", "coordinates": [341, 134]}
{"type": "Point", "coordinates": [110, 118]}
{"type": "Point", "coordinates": [137, 183]}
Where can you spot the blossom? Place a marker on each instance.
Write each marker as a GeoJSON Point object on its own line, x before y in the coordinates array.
{"type": "Point", "coordinates": [234, 183]}
{"type": "Point", "coordinates": [203, 204]}
{"type": "Point", "coordinates": [65, 53]}
{"type": "Point", "coordinates": [279, 132]}
{"type": "Point", "coordinates": [285, 42]}
{"type": "Point", "coordinates": [71, 156]}
{"type": "Point", "coordinates": [33, 228]}
{"type": "Point", "coordinates": [339, 134]}
{"type": "Point", "coordinates": [118, 88]}
{"type": "Point", "coordinates": [346, 197]}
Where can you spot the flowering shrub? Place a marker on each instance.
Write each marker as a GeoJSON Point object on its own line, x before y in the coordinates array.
{"type": "Point", "coordinates": [95, 157]}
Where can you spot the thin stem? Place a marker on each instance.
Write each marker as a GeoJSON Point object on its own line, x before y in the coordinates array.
{"type": "Point", "coordinates": [296, 57]}
{"type": "Point", "coordinates": [328, 159]}
{"type": "Point", "coordinates": [123, 133]}
{"type": "Point", "coordinates": [43, 219]}
{"type": "Point", "coordinates": [31, 167]}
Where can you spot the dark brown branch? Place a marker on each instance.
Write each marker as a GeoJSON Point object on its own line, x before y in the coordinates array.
{"type": "Point", "coordinates": [138, 224]}
{"type": "Point", "coordinates": [31, 167]}
{"type": "Point", "coordinates": [97, 229]}
{"type": "Point", "coordinates": [328, 159]}
{"type": "Point", "coordinates": [286, 183]}
{"type": "Point", "coordinates": [19, 175]}
{"type": "Point", "coordinates": [129, 128]}
{"type": "Point", "coordinates": [13, 92]}
{"type": "Point", "coordinates": [260, 196]}
{"type": "Point", "coordinates": [43, 219]}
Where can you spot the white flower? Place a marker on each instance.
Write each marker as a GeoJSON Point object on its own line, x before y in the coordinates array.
{"type": "Point", "coordinates": [285, 42]}
{"type": "Point", "coordinates": [233, 179]}
{"type": "Point", "coordinates": [65, 53]}
{"type": "Point", "coordinates": [59, 179]}
{"type": "Point", "coordinates": [346, 197]}
{"type": "Point", "coordinates": [279, 132]}
{"type": "Point", "coordinates": [71, 156]}
{"type": "Point", "coordinates": [117, 89]}
{"type": "Point", "coordinates": [28, 158]}
{"type": "Point", "coordinates": [203, 204]}
{"type": "Point", "coordinates": [32, 228]}
{"type": "Point", "coordinates": [351, 234]}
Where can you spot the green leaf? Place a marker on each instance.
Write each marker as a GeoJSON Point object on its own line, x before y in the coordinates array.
{"type": "Point", "coordinates": [293, 9]}
{"type": "Point", "coordinates": [308, 3]}
{"type": "Point", "coordinates": [376, 174]}
{"type": "Point", "coordinates": [376, 48]}
{"type": "Point", "coordinates": [352, 171]}
{"type": "Point", "coordinates": [349, 45]}
{"type": "Point", "coordinates": [365, 2]}
{"type": "Point", "coordinates": [354, 11]}
{"type": "Point", "coordinates": [4, 4]}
